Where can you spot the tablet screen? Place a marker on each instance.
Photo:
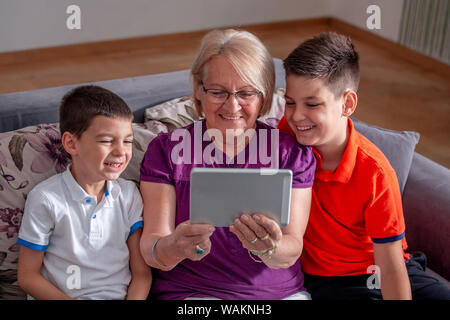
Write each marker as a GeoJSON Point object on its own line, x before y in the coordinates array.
{"type": "Point", "coordinates": [219, 195]}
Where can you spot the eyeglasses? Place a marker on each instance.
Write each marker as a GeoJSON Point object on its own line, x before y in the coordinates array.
{"type": "Point", "coordinates": [220, 96]}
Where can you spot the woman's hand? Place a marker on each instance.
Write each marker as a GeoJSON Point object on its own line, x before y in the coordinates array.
{"type": "Point", "coordinates": [192, 241]}
{"type": "Point", "coordinates": [278, 247]}
{"type": "Point", "coordinates": [187, 241]}
{"type": "Point", "coordinates": [162, 244]}
{"type": "Point", "coordinates": [257, 232]}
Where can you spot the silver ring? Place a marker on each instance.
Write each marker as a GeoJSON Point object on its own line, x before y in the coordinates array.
{"type": "Point", "coordinates": [254, 240]}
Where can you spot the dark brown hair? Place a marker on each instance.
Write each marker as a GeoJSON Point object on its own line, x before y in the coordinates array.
{"type": "Point", "coordinates": [328, 56]}
{"type": "Point", "coordinates": [80, 105]}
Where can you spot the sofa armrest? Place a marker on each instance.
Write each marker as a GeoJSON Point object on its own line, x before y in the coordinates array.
{"type": "Point", "coordinates": [426, 204]}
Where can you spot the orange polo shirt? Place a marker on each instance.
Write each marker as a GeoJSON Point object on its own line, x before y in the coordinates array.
{"type": "Point", "coordinates": [352, 207]}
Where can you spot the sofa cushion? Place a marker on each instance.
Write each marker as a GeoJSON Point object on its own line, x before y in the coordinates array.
{"type": "Point", "coordinates": [397, 146]}
{"type": "Point", "coordinates": [27, 157]}
{"type": "Point", "coordinates": [142, 137]}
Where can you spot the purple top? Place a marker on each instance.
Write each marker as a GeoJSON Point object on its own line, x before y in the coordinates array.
{"type": "Point", "coordinates": [227, 272]}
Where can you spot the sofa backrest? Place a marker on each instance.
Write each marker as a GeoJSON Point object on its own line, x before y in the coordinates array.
{"type": "Point", "coordinates": [22, 109]}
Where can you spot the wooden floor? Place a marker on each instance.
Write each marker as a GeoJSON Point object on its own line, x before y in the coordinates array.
{"type": "Point", "coordinates": [399, 89]}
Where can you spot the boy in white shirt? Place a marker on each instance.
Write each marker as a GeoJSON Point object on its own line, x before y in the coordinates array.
{"type": "Point", "coordinates": [81, 229]}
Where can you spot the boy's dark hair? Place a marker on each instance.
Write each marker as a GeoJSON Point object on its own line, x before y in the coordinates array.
{"type": "Point", "coordinates": [80, 105]}
{"type": "Point", "coordinates": [328, 56]}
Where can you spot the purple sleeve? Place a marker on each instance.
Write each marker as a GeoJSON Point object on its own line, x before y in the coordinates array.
{"type": "Point", "coordinates": [300, 159]}
{"type": "Point", "coordinates": [156, 165]}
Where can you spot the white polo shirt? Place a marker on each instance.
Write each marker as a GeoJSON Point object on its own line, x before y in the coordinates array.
{"type": "Point", "coordinates": [86, 248]}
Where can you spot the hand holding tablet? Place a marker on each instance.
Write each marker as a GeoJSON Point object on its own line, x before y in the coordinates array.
{"type": "Point", "coordinates": [257, 232]}
{"type": "Point", "coordinates": [193, 240]}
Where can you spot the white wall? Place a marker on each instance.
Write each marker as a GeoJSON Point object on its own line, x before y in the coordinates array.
{"type": "Point", "coordinates": [354, 12]}
{"type": "Point", "coordinates": [27, 24]}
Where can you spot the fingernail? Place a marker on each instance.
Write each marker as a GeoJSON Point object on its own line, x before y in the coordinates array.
{"type": "Point", "coordinates": [244, 216]}
{"type": "Point", "coordinates": [256, 217]}
{"type": "Point", "coordinates": [211, 229]}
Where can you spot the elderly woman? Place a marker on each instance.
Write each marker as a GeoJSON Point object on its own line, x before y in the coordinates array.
{"type": "Point", "coordinates": [233, 82]}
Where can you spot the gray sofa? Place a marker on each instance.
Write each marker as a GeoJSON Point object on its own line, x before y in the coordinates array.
{"type": "Point", "coordinates": [425, 184]}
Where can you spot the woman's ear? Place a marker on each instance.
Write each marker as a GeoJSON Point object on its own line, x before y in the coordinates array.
{"type": "Point", "coordinates": [350, 102]}
{"type": "Point", "coordinates": [197, 89]}
{"type": "Point", "coordinates": [69, 142]}
{"type": "Point", "coordinates": [197, 95]}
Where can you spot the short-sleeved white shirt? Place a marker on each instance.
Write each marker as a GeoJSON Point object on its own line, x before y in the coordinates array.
{"type": "Point", "coordinates": [86, 256]}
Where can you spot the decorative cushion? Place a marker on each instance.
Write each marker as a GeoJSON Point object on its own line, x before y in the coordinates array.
{"type": "Point", "coordinates": [181, 112]}
{"type": "Point", "coordinates": [397, 146]}
{"type": "Point", "coordinates": [27, 157]}
{"type": "Point", "coordinates": [142, 137]}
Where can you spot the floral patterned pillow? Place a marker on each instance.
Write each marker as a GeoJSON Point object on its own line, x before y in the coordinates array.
{"type": "Point", "coordinates": [181, 112]}
{"type": "Point", "coordinates": [27, 157]}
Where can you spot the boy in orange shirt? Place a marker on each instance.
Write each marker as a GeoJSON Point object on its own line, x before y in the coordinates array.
{"type": "Point", "coordinates": [356, 222]}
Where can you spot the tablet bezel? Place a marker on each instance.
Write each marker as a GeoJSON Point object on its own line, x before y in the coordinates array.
{"type": "Point", "coordinates": [270, 193]}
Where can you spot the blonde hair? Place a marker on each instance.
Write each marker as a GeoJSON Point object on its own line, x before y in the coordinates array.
{"type": "Point", "coordinates": [247, 55]}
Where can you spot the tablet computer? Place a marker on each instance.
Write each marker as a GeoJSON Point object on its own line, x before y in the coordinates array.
{"type": "Point", "coordinates": [219, 195]}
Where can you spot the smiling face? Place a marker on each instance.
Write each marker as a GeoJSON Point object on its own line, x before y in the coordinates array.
{"type": "Point", "coordinates": [313, 112]}
{"type": "Point", "coordinates": [102, 152]}
{"type": "Point", "coordinates": [220, 74]}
